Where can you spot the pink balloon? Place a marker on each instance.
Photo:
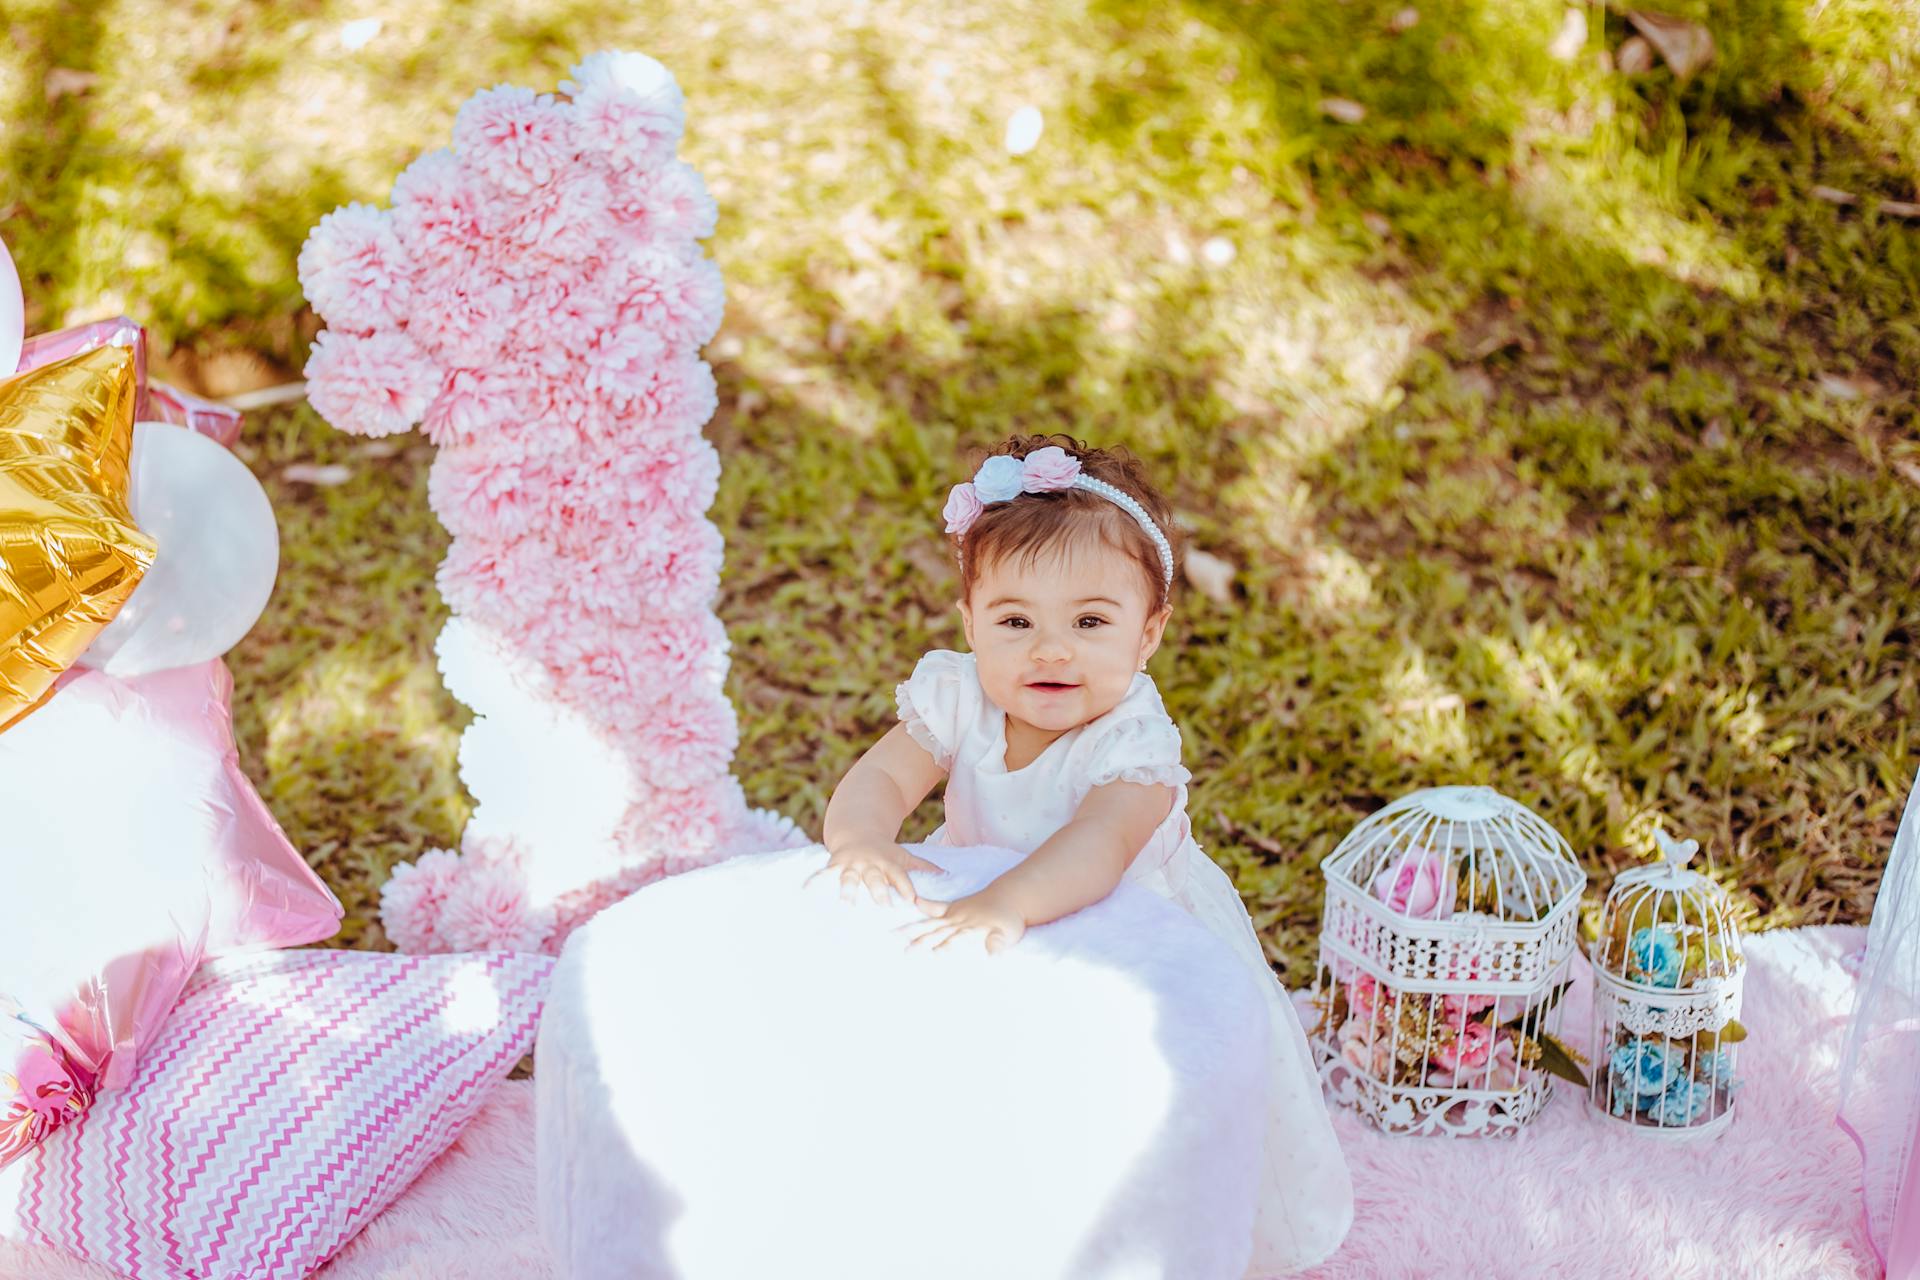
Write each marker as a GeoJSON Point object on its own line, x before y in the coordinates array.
{"type": "Point", "coordinates": [13, 318]}
{"type": "Point", "coordinates": [147, 849]}
{"type": "Point", "coordinates": [153, 401]}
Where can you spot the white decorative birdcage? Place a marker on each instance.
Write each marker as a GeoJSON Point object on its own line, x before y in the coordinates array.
{"type": "Point", "coordinates": [1667, 973]}
{"type": "Point", "coordinates": [1444, 952]}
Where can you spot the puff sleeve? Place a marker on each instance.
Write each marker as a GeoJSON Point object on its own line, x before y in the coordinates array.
{"type": "Point", "coordinates": [1143, 749]}
{"type": "Point", "coordinates": [938, 701]}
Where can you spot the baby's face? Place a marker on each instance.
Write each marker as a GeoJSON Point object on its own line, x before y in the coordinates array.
{"type": "Point", "coordinates": [1059, 641]}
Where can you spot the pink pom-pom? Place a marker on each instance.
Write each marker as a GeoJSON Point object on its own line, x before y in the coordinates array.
{"type": "Point", "coordinates": [667, 205]}
{"type": "Point", "coordinates": [764, 831]}
{"type": "Point", "coordinates": [674, 292]}
{"type": "Point", "coordinates": [683, 828]}
{"type": "Point", "coordinates": [499, 584]}
{"type": "Point", "coordinates": [411, 900]}
{"type": "Point", "coordinates": [628, 107]}
{"type": "Point", "coordinates": [567, 220]}
{"type": "Point", "coordinates": [370, 385]}
{"type": "Point", "coordinates": [437, 211]}
{"type": "Point", "coordinates": [486, 491]}
{"type": "Point", "coordinates": [632, 571]}
{"type": "Point", "coordinates": [476, 403]}
{"type": "Point", "coordinates": [354, 271]}
{"type": "Point", "coordinates": [689, 735]}
{"type": "Point", "coordinates": [623, 363]}
{"type": "Point", "coordinates": [513, 139]}
{"type": "Point", "coordinates": [678, 397]}
{"type": "Point", "coordinates": [487, 907]}
{"type": "Point", "coordinates": [465, 327]}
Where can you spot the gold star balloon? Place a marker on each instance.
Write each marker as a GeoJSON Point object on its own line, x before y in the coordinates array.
{"type": "Point", "coordinates": [70, 553]}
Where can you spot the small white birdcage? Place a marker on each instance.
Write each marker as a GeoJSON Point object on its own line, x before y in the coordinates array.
{"type": "Point", "coordinates": [1444, 950]}
{"type": "Point", "coordinates": [1667, 972]}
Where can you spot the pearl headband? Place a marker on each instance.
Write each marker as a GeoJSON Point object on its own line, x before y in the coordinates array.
{"type": "Point", "coordinates": [1002, 478]}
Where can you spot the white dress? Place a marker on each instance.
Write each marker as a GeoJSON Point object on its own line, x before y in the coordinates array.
{"type": "Point", "coordinates": [1306, 1203]}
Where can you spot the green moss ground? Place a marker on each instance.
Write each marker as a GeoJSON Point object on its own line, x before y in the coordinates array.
{"type": "Point", "coordinates": [1563, 432]}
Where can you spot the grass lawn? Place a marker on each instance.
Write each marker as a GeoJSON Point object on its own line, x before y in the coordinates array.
{"type": "Point", "coordinates": [1560, 422]}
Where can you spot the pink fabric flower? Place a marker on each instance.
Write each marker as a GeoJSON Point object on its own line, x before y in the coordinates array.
{"type": "Point", "coordinates": [1363, 998]}
{"type": "Point", "coordinates": [1420, 884]}
{"type": "Point", "coordinates": [1457, 1007]}
{"type": "Point", "coordinates": [354, 271]}
{"type": "Point", "coordinates": [963, 508]}
{"type": "Point", "coordinates": [40, 1087]}
{"type": "Point", "coordinates": [1366, 1049]}
{"type": "Point", "coordinates": [412, 898]}
{"type": "Point", "coordinates": [1050, 469]}
{"type": "Point", "coordinates": [1458, 1047]}
{"type": "Point", "coordinates": [1498, 1070]}
{"type": "Point", "coordinates": [372, 385]}
{"type": "Point", "coordinates": [513, 139]}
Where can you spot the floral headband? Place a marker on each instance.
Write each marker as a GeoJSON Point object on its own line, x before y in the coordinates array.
{"type": "Point", "coordinates": [1049, 470]}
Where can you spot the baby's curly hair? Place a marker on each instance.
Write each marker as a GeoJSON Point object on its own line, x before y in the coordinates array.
{"type": "Point", "coordinates": [1035, 523]}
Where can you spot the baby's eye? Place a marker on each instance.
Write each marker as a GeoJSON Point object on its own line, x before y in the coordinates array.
{"type": "Point", "coordinates": [1094, 619]}
{"type": "Point", "coordinates": [1016, 621]}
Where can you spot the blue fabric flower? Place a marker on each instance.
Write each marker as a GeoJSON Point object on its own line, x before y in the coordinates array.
{"type": "Point", "coordinates": [1682, 1103]}
{"type": "Point", "coordinates": [1644, 1069]}
{"type": "Point", "coordinates": [999, 478]}
{"type": "Point", "coordinates": [1657, 954]}
{"type": "Point", "coordinates": [1715, 1066]}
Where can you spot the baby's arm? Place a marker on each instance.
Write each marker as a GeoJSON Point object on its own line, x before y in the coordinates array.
{"type": "Point", "coordinates": [1083, 861]}
{"type": "Point", "coordinates": [1077, 866]}
{"type": "Point", "coordinates": [862, 826]}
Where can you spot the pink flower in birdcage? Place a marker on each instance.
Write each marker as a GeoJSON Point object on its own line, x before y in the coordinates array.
{"type": "Point", "coordinates": [1499, 1070]}
{"type": "Point", "coordinates": [1367, 1048]}
{"type": "Point", "coordinates": [1419, 883]}
{"type": "Point", "coordinates": [1456, 1008]}
{"type": "Point", "coordinates": [1461, 1045]}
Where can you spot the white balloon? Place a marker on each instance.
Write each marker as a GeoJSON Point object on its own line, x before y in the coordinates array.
{"type": "Point", "coordinates": [219, 551]}
{"type": "Point", "coordinates": [12, 314]}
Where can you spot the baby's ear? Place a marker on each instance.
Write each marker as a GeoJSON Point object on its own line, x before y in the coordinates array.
{"type": "Point", "coordinates": [966, 620]}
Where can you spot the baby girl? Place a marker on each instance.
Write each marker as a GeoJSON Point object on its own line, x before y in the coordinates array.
{"type": "Point", "coordinates": [1053, 742]}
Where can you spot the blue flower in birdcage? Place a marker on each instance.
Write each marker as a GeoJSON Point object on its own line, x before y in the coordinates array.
{"type": "Point", "coordinates": [1682, 1103]}
{"type": "Point", "coordinates": [1715, 1067]}
{"type": "Point", "coordinates": [1655, 957]}
{"type": "Point", "coordinates": [1644, 1068]}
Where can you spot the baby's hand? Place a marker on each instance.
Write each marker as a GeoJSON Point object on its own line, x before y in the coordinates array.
{"type": "Point", "coordinates": [998, 922]}
{"type": "Point", "coordinates": [880, 865]}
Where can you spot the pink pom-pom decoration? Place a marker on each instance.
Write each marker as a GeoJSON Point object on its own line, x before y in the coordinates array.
{"type": "Point", "coordinates": [370, 385]}
{"type": "Point", "coordinates": [354, 271]}
{"type": "Point", "coordinates": [536, 300]}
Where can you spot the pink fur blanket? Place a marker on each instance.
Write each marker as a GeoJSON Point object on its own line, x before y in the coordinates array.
{"type": "Point", "coordinates": [1776, 1195]}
